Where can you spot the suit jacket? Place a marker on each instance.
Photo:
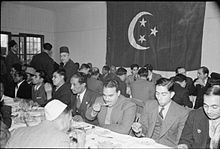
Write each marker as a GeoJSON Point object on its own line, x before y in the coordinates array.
{"type": "Point", "coordinates": [24, 90]}
{"type": "Point", "coordinates": [143, 89]}
{"type": "Point", "coordinates": [189, 85]}
{"type": "Point", "coordinates": [11, 59]}
{"type": "Point", "coordinates": [196, 130]}
{"type": "Point", "coordinates": [43, 61]}
{"type": "Point", "coordinates": [70, 69]}
{"type": "Point", "coordinates": [44, 135]}
{"type": "Point", "coordinates": [63, 94]}
{"type": "Point", "coordinates": [172, 125]}
{"type": "Point", "coordinates": [39, 95]}
{"type": "Point", "coordinates": [181, 96]}
{"type": "Point", "coordinates": [199, 91]}
{"type": "Point", "coordinates": [122, 116]}
{"type": "Point", "coordinates": [87, 101]}
{"type": "Point", "coordinates": [155, 77]}
{"type": "Point", "coordinates": [95, 85]}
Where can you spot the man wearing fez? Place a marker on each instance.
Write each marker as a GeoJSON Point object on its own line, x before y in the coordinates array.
{"type": "Point", "coordinates": [67, 63]}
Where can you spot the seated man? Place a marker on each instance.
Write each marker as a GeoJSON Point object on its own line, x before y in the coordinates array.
{"type": "Point", "coordinates": [113, 110]}
{"type": "Point", "coordinates": [181, 92]}
{"type": "Point", "coordinates": [202, 128]}
{"type": "Point", "coordinates": [38, 90]}
{"type": "Point", "coordinates": [50, 133]}
{"type": "Point", "coordinates": [162, 119]}
{"type": "Point", "coordinates": [84, 97]}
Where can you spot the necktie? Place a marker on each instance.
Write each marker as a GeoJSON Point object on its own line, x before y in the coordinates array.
{"type": "Point", "coordinates": [161, 112]}
{"type": "Point", "coordinates": [78, 102]}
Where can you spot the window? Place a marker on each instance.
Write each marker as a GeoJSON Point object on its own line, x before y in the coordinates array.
{"type": "Point", "coordinates": [29, 45]}
{"type": "Point", "coordinates": [4, 42]}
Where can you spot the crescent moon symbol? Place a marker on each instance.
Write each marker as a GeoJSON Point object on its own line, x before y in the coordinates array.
{"type": "Point", "coordinates": [131, 30]}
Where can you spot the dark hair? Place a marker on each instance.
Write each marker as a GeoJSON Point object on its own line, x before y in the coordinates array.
{"type": "Point", "coordinates": [81, 76]}
{"type": "Point", "coordinates": [94, 71]}
{"type": "Point", "coordinates": [47, 46]}
{"type": "Point", "coordinates": [107, 68]}
{"type": "Point", "coordinates": [149, 67]}
{"type": "Point", "coordinates": [205, 70]}
{"type": "Point", "coordinates": [86, 66]}
{"type": "Point", "coordinates": [22, 74]}
{"type": "Point", "coordinates": [165, 82]}
{"type": "Point", "coordinates": [214, 90]}
{"type": "Point", "coordinates": [134, 65]}
{"type": "Point", "coordinates": [111, 83]}
{"type": "Point", "coordinates": [180, 78]}
{"type": "Point", "coordinates": [121, 71]}
{"type": "Point", "coordinates": [61, 72]}
{"type": "Point", "coordinates": [142, 72]}
{"type": "Point", "coordinates": [178, 69]}
{"type": "Point", "coordinates": [42, 74]}
{"type": "Point", "coordinates": [17, 67]}
{"type": "Point", "coordinates": [11, 43]}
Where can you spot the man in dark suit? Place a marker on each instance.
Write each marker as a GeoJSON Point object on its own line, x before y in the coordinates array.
{"type": "Point", "coordinates": [12, 57]}
{"type": "Point", "coordinates": [202, 128]}
{"type": "Point", "coordinates": [44, 62]}
{"type": "Point", "coordinates": [84, 97]}
{"type": "Point", "coordinates": [162, 119]}
{"type": "Point", "coordinates": [67, 63]}
{"type": "Point", "coordinates": [181, 93]}
{"type": "Point", "coordinates": [201, 84]}
{"type": "Point", "coordinates": [22, 89]}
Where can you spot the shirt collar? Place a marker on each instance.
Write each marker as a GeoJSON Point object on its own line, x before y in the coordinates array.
{"type": "Point", "coordinates": [166, 108]}
{"type": "Point", "coordinates": [19, 83]}
{"type": "Point", "coordinates": [81, 95]}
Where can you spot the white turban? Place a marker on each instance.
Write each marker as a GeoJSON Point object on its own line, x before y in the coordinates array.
{"type": "Point", "coordinates": [53, 109]}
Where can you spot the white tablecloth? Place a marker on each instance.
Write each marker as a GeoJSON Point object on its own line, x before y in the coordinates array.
{"type": "Point", "coordinates": [98, 137]}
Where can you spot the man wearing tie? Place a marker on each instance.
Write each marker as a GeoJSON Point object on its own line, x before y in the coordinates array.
{"type": "Point", "coordinates": [162, 119]}
{"type": "Point", "coordinates": [84, 97]}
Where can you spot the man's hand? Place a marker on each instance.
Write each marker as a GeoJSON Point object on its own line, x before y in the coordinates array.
{"type": "Point", "coordinates": [96, 107]}
{"type": "Point", "coordinates": [136, 127]}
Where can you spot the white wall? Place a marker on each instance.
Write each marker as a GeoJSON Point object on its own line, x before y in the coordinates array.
{"type": "Point", "coordinates": [22, 19]}
{"type": "Point", "coordinates": [83, 30]}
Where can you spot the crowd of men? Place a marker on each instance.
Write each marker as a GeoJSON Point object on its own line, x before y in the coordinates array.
{"type": "Point", "coordinates": [178, 111]}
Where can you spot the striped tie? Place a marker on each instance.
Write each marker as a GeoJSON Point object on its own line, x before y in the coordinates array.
{"type": "Point", "coordinates": [161, 112]}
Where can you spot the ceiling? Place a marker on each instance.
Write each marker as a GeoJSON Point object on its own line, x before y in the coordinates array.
{"type": "Point", "coordinates": [50, 5]}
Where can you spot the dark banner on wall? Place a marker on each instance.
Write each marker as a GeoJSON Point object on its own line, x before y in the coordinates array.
{"type": "Point", "coordinates": [164, 34]}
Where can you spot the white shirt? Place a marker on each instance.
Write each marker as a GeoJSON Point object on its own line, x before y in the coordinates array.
{"type": "Point", "coordinates": [81, 95]}
{"type": "Point", "coordinates": [212, 127]}
{"type": "Point", "coordinates": [17, 87]}
{"type": "Point", "coordinates": [166, 108]}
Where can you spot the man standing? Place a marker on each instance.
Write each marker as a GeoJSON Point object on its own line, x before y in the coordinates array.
{"type": "Point", "coordinates": [153, 77]}
{"type": "Point", "coordinates": [44, 62]}
{"type": "Point", "coordinates": [162, 119]}
{"type": "Point", "coordinates": [67, 63]}
{"type": "Point", "coordinates": [12, 57]}
{"type": "Point", "coordinates": [202, 128]}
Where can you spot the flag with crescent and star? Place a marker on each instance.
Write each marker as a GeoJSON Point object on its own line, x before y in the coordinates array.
{"type": "Point", "coordinates": [163, 34]}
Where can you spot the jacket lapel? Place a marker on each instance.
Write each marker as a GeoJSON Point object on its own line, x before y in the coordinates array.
{"type": "Point", "coordinates": [152, 120]}
{"type": "Point", "coordinates": [169, 119]}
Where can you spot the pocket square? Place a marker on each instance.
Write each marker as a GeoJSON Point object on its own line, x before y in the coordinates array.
{"type": "Point", "coordinates": [199, 131]}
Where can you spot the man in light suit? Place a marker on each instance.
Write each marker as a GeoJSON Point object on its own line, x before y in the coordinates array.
{"type": "Point", "coordinates": [113, 110]}
{"type": "Point", "coordinates": [153, 77]}
{"type": "Point", "coordinates": [84, 97]}
{"type": "Point", "coordinates": [162, 119]}
{"type": "Point", "coordinates": [38, 91]}
{"type": "Point", "coordinates": [93, 82]}
{"type": "Point", "coordinates": [141, 88]}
